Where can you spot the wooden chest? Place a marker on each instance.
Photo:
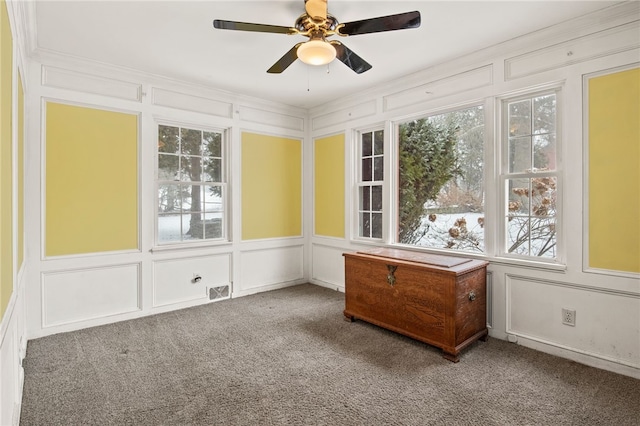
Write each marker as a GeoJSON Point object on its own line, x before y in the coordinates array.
{"type": "Point", "coordinates": [439, 300]}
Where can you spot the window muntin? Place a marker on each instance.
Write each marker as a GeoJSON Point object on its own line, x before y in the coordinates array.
{"type": "Point", "coordinates": [371, 176]}
{"type": "Point", "coordinates": [440, 181]}
{"type": "Point", "coordinates": [530, 177]}
{"type": "Point", "coordinates": [191, 185]}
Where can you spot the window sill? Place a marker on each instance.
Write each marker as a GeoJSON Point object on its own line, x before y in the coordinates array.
{"type": "Point", "coordinates": [189, 246]}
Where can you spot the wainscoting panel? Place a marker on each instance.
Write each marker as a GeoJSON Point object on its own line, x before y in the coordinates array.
{"type": "Point", "coordinates": [617, 39]}
{"type": "Point", "coordinates": [65, 79]}
{"type": "Point", "coordinates": [328, 264]}
{"type": "Point", "coordinates": [186, 102]}
{"type": "Point", "coordinates": [365, 109]}
{"type": "Point", "coordinates": [177, 280]}
{"type": "Point", "coordinates": [264, 267]}
{"type": "Point", "coordinates": [534, 311]}
{"type": "Point", "coordinates": [458, 83]}
{"type": "Point", "coordinates": [80, 295]}
{"type": "Point", "coordinates": [254, 115]}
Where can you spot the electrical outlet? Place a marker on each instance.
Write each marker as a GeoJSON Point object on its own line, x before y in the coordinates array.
{"type": "Point", "coordinates": [569, 317]}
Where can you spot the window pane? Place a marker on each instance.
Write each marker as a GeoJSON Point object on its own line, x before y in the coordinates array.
{"type": "Point", "coordinates": [212, 170]}
{"type": "Point", "coordinates": [365, 198]}
{"type": "Point", "coordinates": [169, 198]}
{"type": "Point", "coordinates": [518, 235]}
{"type": "Point", "coordinates": [212, 225]}
{"type": "Point", "coordinates": [376, 225]}
{"type": "Point", "coordinates": [441, 189]}
{"type": "Point", "coordinates": [212, 199]}
{"type": "Point", "coordinates": [376, 198]}
{"type": "Point", "coordinates": [520, 118]}
{"type": "Point", "coordinates": [544, 114]}
{"type": "Point", "coordinates": [191, 141]}
{"type": "Point", "coordinates": [168, 139]}
{"type": "Point", "coordinates": [519, 154]}
{"type": "Point", "coordinates": [190, 169]}
{"type": "Point", "coordinates": [169, 228]}
{"type": "Point", "coordinates": [378, 168]}
{"type": "Point", "coordinates": [543, 199]}
{"type": "Point", "coordinates": [378, 142]}
{"type": "Point", "coordinates": [366, 145]}
{"type": "Point", "coordinates": [192, 198]}
{"type": "Point", "coordinates": [365, 224]}
{"type": "Point", "coordinates": [519, 196]}
{"type": "Point", "coordinates": [212, 144]}
{"type": "Point", "coordinates": [193, 226]}
{"type": "Point", "coordinates": [544, 152]}
{"type": "Point", "coordinates": [168, 167]}
{"type": "Point", "coordinates": [366, 169]}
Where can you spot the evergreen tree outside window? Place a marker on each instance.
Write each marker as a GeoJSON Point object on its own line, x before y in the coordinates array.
{"type": "Point", "coordinates": [440, 181]}
{"type": "Point", "coordinates": [191, 185]}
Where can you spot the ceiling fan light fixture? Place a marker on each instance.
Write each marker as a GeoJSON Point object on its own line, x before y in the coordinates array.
{"type": "Point", "coordinates": [316, 52]}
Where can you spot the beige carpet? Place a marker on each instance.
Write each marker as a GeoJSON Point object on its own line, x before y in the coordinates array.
{"type": "Point", "coordinates": [287, 357]}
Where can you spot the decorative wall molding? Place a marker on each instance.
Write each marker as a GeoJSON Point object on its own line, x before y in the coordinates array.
{"type": "Point", "coordinates": [174, 280]}
{"type": "Point", "coordinates": [186, 102]}
{"type": "Point", "coordinates": [534, 311]}
{"type": "Point", "coordinates": [458, 83]}
{"type": "Point", "coordinates": [361, 110]}
{"type": "Point", "coordinates": [84, 294]}
{"type": "Point", "coordinates": [602, 43]}
{"type": "Point", "coordinates": [255, 115]}
{"type": "Point", "coordinates": [263, 267]}
{"type": "Point", "coordinates": [81, 82]}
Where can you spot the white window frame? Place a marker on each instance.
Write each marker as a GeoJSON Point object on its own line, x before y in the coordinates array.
{"type": "Point", "coordinates": [359, 183]}
{"type": "Point", "coordinates": [225, 160]}
{"type": "Point", "coordinates": [503, 175]}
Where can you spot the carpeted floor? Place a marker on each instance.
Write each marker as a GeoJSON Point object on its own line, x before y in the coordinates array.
{"type": "Point", "coordinates": [287, 357]}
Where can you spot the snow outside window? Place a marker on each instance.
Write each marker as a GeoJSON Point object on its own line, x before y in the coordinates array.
{"type": "Point", "coordinates": [190, 184]}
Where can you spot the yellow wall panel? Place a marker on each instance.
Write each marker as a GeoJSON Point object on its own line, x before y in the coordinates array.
{"type": "Point", "coordinates": [91, 180]}
{"type": "Point", "coordinates": [329, 186]}
{"type": "Point", "coordinates": [6, 172]}
{"type": "Point", "coordinates": [271, 187]}
{"type": "Point", "coordinates": [614, 171]}
{"type": "Point", "coordinates": [20, 175]}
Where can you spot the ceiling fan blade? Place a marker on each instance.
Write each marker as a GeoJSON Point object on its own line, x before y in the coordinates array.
{"type": "Point", "coordinates": [284, 62]}
{"type": "Point", "coordinates": [350, 59]}
{"type": "Point", "coordinates": [316, 9]}
{"type": "Point", "coordinates": [401, 21]}
{"type": "Point", "coordinates": [248, 26]}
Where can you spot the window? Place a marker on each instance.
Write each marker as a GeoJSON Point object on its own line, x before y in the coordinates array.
{"type": "Point", "coordinates": [530, 176]}
{"type": "Point", "coordinates": [191, 185]}
{"type": "Point", "coordinates": [440, 181]}
{"type": "Point", "coordinates": [371, 175]}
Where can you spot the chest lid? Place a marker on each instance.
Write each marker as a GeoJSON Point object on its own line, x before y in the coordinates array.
{"type": "Point", "coordinates": [416, 257]}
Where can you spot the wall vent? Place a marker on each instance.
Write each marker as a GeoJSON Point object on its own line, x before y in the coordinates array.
{"type": "Point", "coordinates": [221, 292]}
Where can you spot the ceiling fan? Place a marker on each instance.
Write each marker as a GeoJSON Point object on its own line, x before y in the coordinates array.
{"type": "Point", "coordinates": [318, 25]}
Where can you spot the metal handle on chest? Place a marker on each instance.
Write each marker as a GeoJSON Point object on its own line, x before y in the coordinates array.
{"type": "Point", "coordinates": [391, 278]}
{"type": "Point", "coordinates": [472, 296]}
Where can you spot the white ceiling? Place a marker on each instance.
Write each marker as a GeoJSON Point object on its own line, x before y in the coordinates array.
{"type": "Point", "coordinates": [176, 39]}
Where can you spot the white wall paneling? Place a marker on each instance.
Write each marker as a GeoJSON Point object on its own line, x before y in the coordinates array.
{"type": "Point", "coordinates": [84, 294]}
{"type": "Point", "coordinates": [169, 98]}
{"type": "Point", "coordinates": [327, 266]}
{"type": "Point", "coordinates": [65, 79]}
{"type": "Point", "coordinates": [12, 351]}
{"type": "Point", "coordinates": [265, 267]}
{"type": "Point", "coordinates": [364, 109]}
{"type": "Point", "coordinates": [534, 310]}
{"type": "Point", "coordinates": [174, 279]}
{"type": "Point", "coordinates": [462, 82]}
{"type": "Point", "coordinates": [260, 116]}
{"type": "Point", "coordinates": [607, 42]}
